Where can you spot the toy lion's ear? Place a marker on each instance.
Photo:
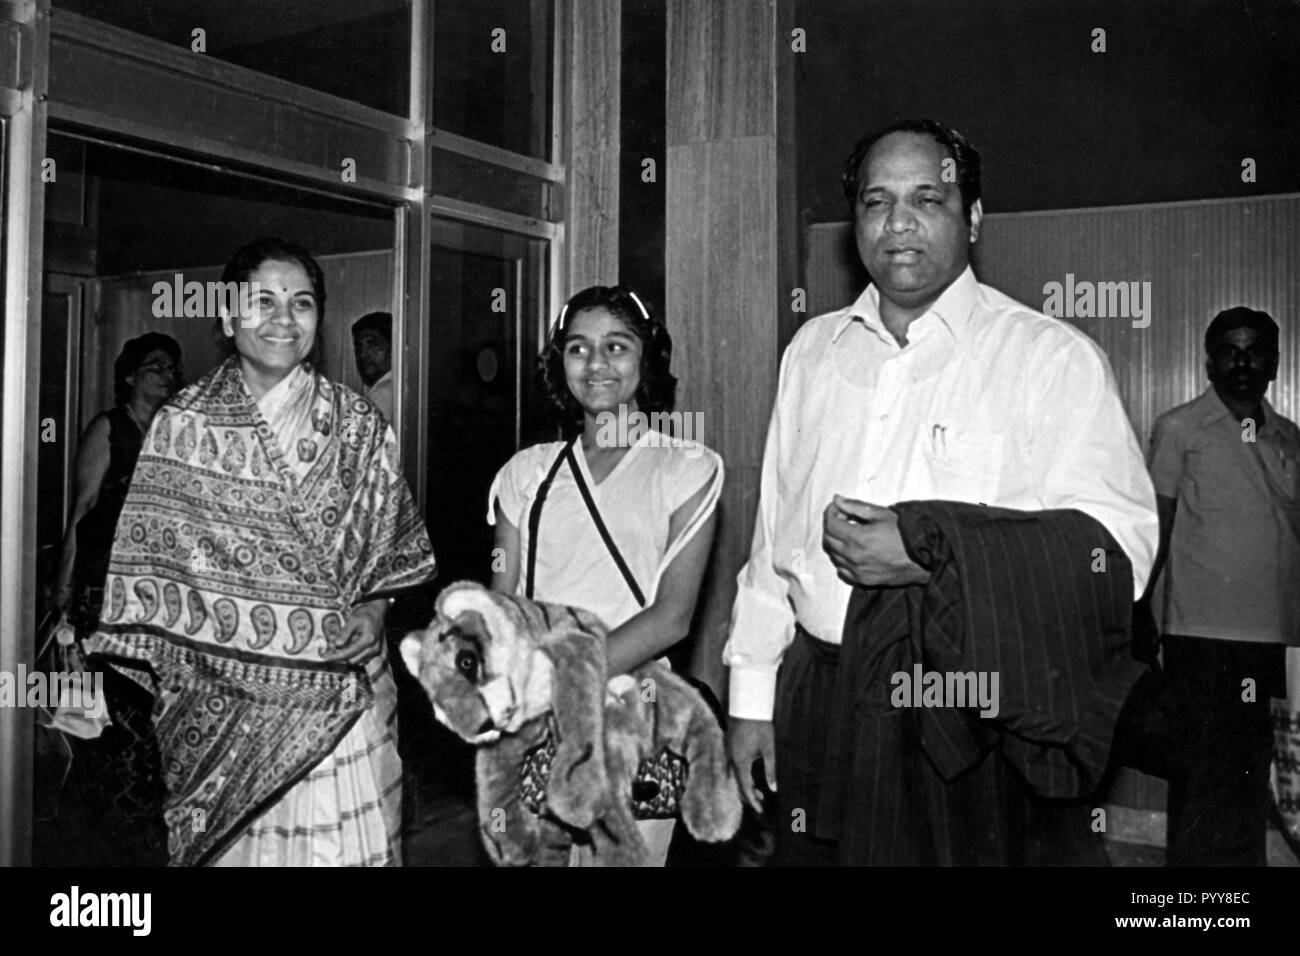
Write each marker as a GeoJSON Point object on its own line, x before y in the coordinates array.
{"type": "Point", "coordinates": [470, 597]}
{"type": "Point", "coordinates": [412, 644]}
{"type": "Point", "coordinates": [578, 782]}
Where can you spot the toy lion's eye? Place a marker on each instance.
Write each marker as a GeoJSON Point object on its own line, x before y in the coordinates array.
{"type": "Point", "coordinates": [467, 664]}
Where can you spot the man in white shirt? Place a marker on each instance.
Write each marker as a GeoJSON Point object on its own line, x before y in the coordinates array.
{"type": "Point", "coordinates": [372, 341]}
{"type": "Point", "coordinates": [930, 386]}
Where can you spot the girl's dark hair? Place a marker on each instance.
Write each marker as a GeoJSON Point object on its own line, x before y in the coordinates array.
{"type": "Point", "coordinates": [657, 391]}
{"type": "Point", "coordinates": [247, 261]}
{"type": "Point", "coordinates": [132, 357]}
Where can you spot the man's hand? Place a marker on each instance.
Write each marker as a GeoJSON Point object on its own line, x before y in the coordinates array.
{"type": "Point", "coordinates": [361, 634]}
{"type": "Point", "coordinates": [747, 740]}
{"type": "Point", "coordinates": [863, 543]}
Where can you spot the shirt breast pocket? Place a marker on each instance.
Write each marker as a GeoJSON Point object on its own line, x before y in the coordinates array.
{"type": "Point", "coordinates": [1209, 474]}
{"type": "Point", "coordinates": [1286, 478]}
{"type": "Point", "coordinates": [964, 466]}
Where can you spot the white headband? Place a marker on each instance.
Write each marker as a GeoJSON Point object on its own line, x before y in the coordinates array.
{"type": "Point", "coordinates": [559, 323]}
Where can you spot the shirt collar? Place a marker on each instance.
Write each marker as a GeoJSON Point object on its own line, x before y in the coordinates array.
{"type": "Point", "coordinates": [1212, 409]}
{"type": "Point", "coordinates": [953, 307]}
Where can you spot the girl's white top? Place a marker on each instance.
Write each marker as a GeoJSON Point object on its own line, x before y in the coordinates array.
{"type": "Point", "coordinates": [636, 500]}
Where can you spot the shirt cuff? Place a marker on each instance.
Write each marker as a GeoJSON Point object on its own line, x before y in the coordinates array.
{"type": "Point", "coordinates": [752, 693]}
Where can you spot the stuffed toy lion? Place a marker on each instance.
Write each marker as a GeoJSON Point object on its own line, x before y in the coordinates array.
{"type": "Point", "coordinates": [506, 674]}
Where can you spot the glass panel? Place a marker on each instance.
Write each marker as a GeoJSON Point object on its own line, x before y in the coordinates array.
{"type": "Point", "coordinates": [461, 177]}
{"type": "Point", "coordinates": [357, 49]}
{"type": "Point", "coordinates": [492, 72]}
{"type": "Point", "coordinates": [60, 321]}
{"type": "Point", "coordinates": [484, 340]}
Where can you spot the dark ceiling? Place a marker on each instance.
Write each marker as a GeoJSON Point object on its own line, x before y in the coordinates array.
{"type": "Point", "coordinates": [1185, 90]}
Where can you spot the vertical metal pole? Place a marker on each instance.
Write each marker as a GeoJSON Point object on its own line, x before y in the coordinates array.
{"type": "Point", "coordinates": [412, 264]}
{"type": "Point", "coordinates": [19, 429]}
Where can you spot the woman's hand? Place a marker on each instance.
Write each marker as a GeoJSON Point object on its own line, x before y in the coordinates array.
{"type": "Point", "coordinates": [60, 597]}
{"type": "Point", "coordinates": [92, 464]}
{"type": "Point", "coordinates": [362, 633]}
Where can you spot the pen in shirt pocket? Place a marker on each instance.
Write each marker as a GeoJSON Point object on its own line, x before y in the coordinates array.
{"type": "Point", "coordinates": [939, 440]}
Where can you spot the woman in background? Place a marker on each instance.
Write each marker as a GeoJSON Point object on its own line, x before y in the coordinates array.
{"type": "Point", "coordinates": [266, 530]}
{"type": "Point", "coordinates": [605, 371]}
{"type": "Point", "coordinates": [115, 783]}
{"type": "Point", "coordinates": [147, 373]}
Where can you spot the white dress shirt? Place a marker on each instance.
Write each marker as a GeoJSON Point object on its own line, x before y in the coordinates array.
{"type": "Point", "coordinates": [990, 402]}
{"type": "Point", "coordinates": [381, 393]}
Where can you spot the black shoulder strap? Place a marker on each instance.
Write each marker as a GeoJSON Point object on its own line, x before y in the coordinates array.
{"type": "Point", "coordinates": [535, 515]}
{"type": "Point", "coordinates": [604, 532]}
{"type": "Point", "coordinates": [535, 520]}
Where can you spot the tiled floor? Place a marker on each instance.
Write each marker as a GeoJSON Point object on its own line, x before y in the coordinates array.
{"type": "Point", "coordinates": [1137, 838]}
{"type": "Point", "coordinates": [446, 835]}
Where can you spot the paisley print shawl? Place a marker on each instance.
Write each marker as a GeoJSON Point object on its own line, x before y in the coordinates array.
{"type": "Point", "coordinates": [233, 570]}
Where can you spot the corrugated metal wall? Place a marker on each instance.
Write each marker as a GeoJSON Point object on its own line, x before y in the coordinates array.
{"type": "Point", "coordinates": [1199, 257]}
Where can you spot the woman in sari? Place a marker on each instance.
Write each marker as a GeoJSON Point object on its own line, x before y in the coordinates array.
{"type": "Point", "coordinates": [265, 532]}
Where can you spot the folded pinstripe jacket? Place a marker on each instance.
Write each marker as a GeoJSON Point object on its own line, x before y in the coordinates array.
{"type": "Point", "coordinates": [1034, 605]}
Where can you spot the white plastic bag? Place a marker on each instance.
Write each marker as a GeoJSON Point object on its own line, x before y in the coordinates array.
{"type": "Point", "coordinates": [82, 709]}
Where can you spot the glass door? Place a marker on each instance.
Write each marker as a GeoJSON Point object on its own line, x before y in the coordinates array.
{"type": "Point", "coordinates": [487, 290]}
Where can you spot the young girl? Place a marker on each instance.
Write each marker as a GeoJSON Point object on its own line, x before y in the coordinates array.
{"type": "Point", "coordinates": [606, 372]}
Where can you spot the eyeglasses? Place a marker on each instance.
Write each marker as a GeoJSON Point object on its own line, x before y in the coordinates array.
{"type": "Point", "coordinates": [158, 368]}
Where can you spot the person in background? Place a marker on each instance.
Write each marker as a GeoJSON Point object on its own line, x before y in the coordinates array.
{"type": "Point", "coordinates": [266, 531]}
{"type": "Point", "coordinates": [372, 341]}
{"type": "Point", "coordinates": [147, 373]}
{"type": "Point", "coordinates": [1224, 469]}
{"type": "Point", "coordinates": [609, 358]}
{"type": "Point", "coordinates": [116, 778]}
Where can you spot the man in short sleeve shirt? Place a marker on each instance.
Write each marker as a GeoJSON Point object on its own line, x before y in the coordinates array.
{"type": "Point", "coordinates": [1224, 469]}
{"type": "Point", "coordinates": [372, 341]}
